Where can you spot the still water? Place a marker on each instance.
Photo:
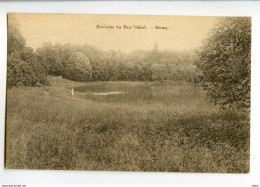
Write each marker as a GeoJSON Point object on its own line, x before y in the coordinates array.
{"type": "Point", "coordinates": [139, 93]}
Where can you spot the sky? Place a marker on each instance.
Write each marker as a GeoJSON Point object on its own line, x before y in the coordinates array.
{"type": "Point", "coordinates": [176, 33]}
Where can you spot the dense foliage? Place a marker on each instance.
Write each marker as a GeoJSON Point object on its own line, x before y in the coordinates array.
{"type": "Point", "coordinates": [22, 65]}
{"type": "Point", "coordinates": [153, 65]}
{"type": "Point", "coordinates": [224, 62]}
{"type": "Point", "coordinates": [87, 63]}
{"type": "Point", "coordinates": [78, 67]}
{"type": "Point", "coordinates": [49, 57]}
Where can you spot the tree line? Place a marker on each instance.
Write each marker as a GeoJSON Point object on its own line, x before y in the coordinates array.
{"type": "Point", "coordinates": [88, 63]}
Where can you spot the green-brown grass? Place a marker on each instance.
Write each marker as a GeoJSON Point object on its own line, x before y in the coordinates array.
{"type": "Point", "coordinates": [47, 128]}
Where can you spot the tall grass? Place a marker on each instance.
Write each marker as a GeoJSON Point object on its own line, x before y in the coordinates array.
{"type": "Point", "coordinates": [47, 128]}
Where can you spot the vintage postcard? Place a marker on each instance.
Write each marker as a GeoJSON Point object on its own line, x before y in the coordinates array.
{"type": "Point", "coordinates": [128, 93]}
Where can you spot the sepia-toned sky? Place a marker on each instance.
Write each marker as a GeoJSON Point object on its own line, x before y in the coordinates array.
{"type": "Point", "coordinates": [183, 33]}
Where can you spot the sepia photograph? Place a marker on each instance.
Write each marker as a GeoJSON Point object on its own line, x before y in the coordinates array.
{"type": "Point", "coordinates": [146, 93]}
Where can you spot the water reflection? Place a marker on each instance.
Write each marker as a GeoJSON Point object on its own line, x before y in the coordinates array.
{"type": "Point", "coordinates": [122, 93]}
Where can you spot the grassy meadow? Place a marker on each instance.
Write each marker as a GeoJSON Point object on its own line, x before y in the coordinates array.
{"type": "Point", "coordinates": [168, 130]}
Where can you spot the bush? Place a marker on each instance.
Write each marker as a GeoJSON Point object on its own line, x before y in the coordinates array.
{"type": "Point", "coordinates": [224, 63]}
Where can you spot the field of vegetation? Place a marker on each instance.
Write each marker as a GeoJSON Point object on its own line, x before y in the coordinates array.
{"type": "Point", "coordinates": [168, 129]}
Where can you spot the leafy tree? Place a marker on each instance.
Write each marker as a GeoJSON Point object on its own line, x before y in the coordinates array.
{"type": "Point", "coordinates": [78, 67]}
{"type": "Point", "coordinates": [48, 55]}
{"type": "Point", "coordinates": [97, 61]}
{"type": "Point", "coordinates": [29, 56]}
{"type": "Point", "coordinates": [63, 52]}
{"type": "Point", "coordinates": [19, 72]}
{"type": "Point", "coordinates": [224, 62]}
{"type": "Point", "coordinates": [15, 40]}
{"type": "Point", "coordinates": [22, 66]}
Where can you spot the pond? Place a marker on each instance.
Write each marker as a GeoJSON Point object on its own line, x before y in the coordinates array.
{"type": "Point", "coordinates": [139, 92]}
